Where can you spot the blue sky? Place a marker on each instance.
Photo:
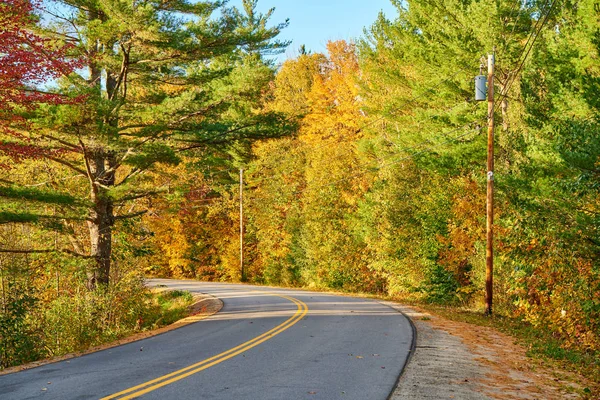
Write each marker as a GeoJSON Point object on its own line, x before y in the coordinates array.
{"type": "Point", "coordinates": [315, 22]}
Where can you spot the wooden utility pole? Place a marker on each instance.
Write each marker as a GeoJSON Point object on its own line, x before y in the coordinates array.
{"type": "Point", "coordinates": [243, 277]}
{"type": "Point", "coordinates": [489, 252]}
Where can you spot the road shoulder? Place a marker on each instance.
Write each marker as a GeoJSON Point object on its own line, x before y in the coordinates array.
{"type": "Point", "coordinates": [456, 360]}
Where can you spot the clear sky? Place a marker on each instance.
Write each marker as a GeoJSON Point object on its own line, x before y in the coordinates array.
{"type": "Point", "coordinates": [315, 22]}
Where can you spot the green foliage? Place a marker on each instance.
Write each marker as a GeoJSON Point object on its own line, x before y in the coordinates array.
{"type": "Point", "coordinates": [440, 286]}
{"type": "Point", "coordinates": [19, 338]}
{"type": "Point", "coordinates": [172, 306]}
{"type": "Point", "coordinates": [151, 154]}
{"type": "Point", "coordinates": [164, 297]}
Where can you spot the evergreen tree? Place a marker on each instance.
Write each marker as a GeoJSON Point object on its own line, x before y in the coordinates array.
{"type": "Point", "coordinates": [160, 78]}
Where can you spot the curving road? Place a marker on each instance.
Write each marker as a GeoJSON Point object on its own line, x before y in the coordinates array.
{"type": "Point", "coordinates": [264, 344]}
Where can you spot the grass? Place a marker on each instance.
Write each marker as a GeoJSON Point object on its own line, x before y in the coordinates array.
{"type": "Point", "coordinates": [81, 331]}
{"type": "Point", "coordinates": [170, 306]}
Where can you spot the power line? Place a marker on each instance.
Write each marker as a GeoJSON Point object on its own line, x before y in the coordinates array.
{"type": "Point", "coordinates": [534, 35]}
{"type": "Point", "coordinates": [511, 16]}
{"type": "Point", "coordinates": [533, 42]}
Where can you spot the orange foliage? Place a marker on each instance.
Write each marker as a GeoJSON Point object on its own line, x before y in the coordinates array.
{"type": "Point", "coordinates": [464, 230]}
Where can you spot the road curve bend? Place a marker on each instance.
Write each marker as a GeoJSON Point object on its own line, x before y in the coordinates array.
{"type": "Point", "coordinates": [265, 343]}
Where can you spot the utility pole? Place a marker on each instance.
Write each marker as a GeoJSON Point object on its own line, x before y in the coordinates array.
{"type": "Point", "coordinates": [242, 226]}
{"type": "Point", "coordinates": [489, 251]}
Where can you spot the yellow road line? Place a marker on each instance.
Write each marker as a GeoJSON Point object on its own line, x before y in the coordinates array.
{"type": "Point", "coordinates": [167, 379]}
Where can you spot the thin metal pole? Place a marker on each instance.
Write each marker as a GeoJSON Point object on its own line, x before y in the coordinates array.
{"type": "Point", "coordinates": [489, 253]}
{"type": "Point", "coordinates": [243, 275]}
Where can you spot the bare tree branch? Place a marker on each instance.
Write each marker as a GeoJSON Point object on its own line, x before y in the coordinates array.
{"type": "Point", "coordinates": [63, 142]}
{"type": "Point", "coordinates": [137, 196]}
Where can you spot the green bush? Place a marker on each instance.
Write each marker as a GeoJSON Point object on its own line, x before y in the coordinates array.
{"type": "Point", "coordinates": [170, 306]}
{"type": "Point", "coordinates": [19, 340]}
{"type": "Point", "coordinates": [440, 286]}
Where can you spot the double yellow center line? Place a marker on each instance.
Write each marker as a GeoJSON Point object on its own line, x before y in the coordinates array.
{"type": "Point", "coordinates": [167, 379]}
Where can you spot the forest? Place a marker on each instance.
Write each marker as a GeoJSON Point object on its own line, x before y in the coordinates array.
{"type": "Point", "coordinates": [125, 127]}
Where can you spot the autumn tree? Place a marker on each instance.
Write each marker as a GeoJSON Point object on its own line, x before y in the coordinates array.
{"type": "Point", "coordinates": [27, 60]}
{"type": "Point", "coordinates": [552, 242]}
{"type": "Point", "coordinates": [332, 132]}
{"type": "Point", "coordinates": [305, 190]}
{"type": "Point", "coordinates": [276, 178]}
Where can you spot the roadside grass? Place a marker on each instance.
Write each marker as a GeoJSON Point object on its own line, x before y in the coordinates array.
{"type": "Point", "coordinates": [169, 306]}
{"type": "Point", "coordinates": [93, 321]}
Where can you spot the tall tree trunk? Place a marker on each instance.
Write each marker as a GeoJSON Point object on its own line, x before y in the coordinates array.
{"type": "Point", "coordinates": [101, 216]}
{"type": "Point", "coordinates": [101, 163]}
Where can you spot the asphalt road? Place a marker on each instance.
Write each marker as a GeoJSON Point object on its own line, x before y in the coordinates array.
{"type": "Point", "coordinates": [264, 344]}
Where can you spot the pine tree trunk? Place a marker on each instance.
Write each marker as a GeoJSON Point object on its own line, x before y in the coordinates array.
{"type": "Point", "coordinates": [101, 217]}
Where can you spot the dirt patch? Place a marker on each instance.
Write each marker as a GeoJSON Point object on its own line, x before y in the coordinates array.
{"type": "Point", "coordinates": [510, 374]}
{"type": "Point", "coordinates": [203, 307]}
{"type": "Point", "coordinates": [497, 367]}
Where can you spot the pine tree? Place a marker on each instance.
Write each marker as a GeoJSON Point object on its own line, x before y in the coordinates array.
{"type": "Point", "coordinates": [160, 78]}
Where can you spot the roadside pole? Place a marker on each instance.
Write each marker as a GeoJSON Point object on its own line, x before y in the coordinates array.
{"type": "Point", "coordinates": [243, 275]}
{"type": "Point", "coordinates": [489, 252]}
